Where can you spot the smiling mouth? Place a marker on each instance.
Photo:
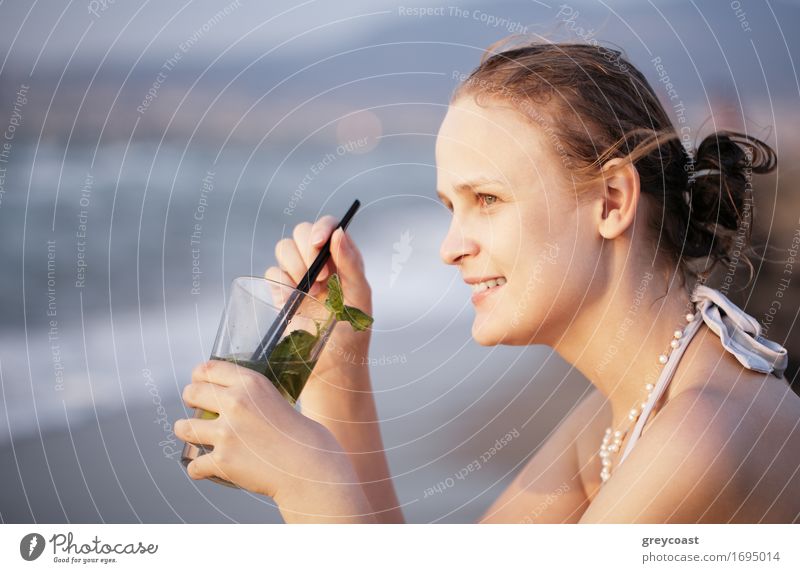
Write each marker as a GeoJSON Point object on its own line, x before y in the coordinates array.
{"type": "Point", "coordinates": [486, 288]}
{"type": "Point", "coordinates": [486, 285]}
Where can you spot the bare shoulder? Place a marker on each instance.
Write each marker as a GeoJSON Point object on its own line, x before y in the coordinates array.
{"type": "Point", "coordinates": [714, 456]}
{"type": "Point", "coordinates": [549, 489]}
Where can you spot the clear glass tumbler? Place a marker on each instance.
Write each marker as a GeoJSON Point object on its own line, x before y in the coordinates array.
{"type": "Point", "coordinates": [253, 305]}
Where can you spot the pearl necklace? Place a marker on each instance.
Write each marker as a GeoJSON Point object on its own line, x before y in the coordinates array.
{"type": "Point", "coordinates": [613, 440]}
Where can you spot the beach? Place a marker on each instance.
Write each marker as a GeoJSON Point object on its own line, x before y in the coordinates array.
{"type": "Point", "coordinates": [450, 458]}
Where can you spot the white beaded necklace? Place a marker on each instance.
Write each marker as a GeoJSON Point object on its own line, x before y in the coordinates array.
{"type": "Point", "coordinates": [612, 440]}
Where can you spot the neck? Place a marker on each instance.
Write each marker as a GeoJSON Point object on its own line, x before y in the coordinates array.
{"type": "Point", "coordinates": [616, 339]}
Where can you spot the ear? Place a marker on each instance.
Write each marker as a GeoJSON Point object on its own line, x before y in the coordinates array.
{"type": "Point", "coordinates": [620, 197]}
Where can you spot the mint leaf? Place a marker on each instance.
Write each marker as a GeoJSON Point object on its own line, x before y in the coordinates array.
{"type": "Point", "coordinates": [335, 300]}
{"type": "Point", "coordinates": [358, 319]}
{"type": "Point", "coordinates": [296, 345]}
{"type": "Point", "coordinates": [288, 365]}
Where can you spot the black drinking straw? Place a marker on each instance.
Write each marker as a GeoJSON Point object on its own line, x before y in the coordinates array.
{"type": "Point", "coordinates": [273, 335]}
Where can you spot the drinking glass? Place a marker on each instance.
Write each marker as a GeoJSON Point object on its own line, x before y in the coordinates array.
{"type": "Point", "coordinates": [253, 305]}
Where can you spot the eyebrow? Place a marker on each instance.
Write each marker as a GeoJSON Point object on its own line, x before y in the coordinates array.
{"type": "Point", "coordinates": [468, 186]}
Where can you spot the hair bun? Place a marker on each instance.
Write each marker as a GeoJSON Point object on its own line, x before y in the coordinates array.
{"type": "Point", "coordinates": [734, 154]}
{"type": "Point", "coordinates": [719, 185]}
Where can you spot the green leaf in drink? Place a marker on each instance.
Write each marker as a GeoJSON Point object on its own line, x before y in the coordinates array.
{"type": "Point", "coordinates": [358, 319]}
{"type": "Point", "coordinates": [289, 364]}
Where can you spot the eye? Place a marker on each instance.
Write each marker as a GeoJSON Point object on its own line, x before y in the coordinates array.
{"type": "Point", "coordinates": [487, 199]}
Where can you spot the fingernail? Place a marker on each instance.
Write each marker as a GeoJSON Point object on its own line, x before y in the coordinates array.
{"type": "Point", "coordinates": [344, 241]}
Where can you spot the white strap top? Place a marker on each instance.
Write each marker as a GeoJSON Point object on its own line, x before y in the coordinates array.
{"type": "Point", "coordinates": [740, 334]}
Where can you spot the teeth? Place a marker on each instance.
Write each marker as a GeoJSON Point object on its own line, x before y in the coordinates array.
{"type": "Point", "coordinates": [479, 287]}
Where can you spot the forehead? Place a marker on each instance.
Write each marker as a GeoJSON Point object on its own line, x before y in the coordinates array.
{"type": "Point", "coordinates": [491, 137]}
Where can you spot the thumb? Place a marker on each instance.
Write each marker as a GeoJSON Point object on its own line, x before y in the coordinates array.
{"type": "Point", "coordinates": [350, 266]}
{"type": "Point", "coordinates": [344, 254]}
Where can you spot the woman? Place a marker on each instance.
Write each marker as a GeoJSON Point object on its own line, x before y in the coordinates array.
{"type": "Point", "coordinates": [561, 151]}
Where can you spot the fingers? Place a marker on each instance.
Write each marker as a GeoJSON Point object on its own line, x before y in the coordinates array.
{"type": "Point", "coordinates": [342, 248]}
{"type": "Point", "coordinates": [323, 229]}
{"type": "Point", "coordinates": [280, 294]}
{"type": "Point", "coordinates": [203, 395]}
{"type": "Point", "coordinates": [290, 260]}
{"type": "Point", "coordinates": [296, 255]}
{"type": "Point", "coordinates": [222, 373]}
{"type": "Point", "coordinates": [205, 466]}
{"type": "Point", "coordinates": [344, 253]}
{"type": "Point", "coordinates": [196, 431]}
{"type": "Point", "coordinates": [302, 238]}
{"type": "Point", "coordinates": [310, 239]}
{"type": "Point", "coordinates": [348, 261]}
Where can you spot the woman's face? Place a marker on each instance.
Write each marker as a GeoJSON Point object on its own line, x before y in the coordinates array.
{"type": "Point", "coordinates": [514, 218]}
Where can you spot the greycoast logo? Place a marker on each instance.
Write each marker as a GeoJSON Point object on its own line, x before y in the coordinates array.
{"type": "Point", "coordinates": [31, 546]}
{"type": "Point", "coordinates": [66, 550]}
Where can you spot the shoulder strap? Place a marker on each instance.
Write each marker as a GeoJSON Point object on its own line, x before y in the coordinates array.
{"type": "Point", "coordinates": [740, 335]}
{"type": "Point", "coordinates": [661, 385]}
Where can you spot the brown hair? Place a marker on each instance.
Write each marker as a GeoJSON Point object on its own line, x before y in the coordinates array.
{"type": "Point", "coordinates": [597, 106]}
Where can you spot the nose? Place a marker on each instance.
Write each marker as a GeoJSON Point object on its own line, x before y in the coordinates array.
{"type": "Point", "coordinates": [456, 245]}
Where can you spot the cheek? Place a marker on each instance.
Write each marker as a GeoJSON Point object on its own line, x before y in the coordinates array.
{"type": "Point", "coordinates": [519, 311]}
{"type": "Point", "coordinates": [539, 287]}
{"type": "Point", "coordinates": [537, 256]}
{"type": "Point", "coordinates": [535, 249]}
{"type": "Point", "coordinates": [543, 269]}
{"type": "Point", "coordinates": [535, 285]}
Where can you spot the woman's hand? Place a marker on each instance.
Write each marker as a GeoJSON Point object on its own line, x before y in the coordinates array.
{"type": "Point", "coordinates": [338, 394]}
{"type": "Point", "coordinates": [262, 444]}
{"type": "Point", "coordinates": [345, 348]}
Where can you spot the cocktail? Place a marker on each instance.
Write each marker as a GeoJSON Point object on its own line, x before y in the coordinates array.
{"type": "Point", "coordinates": [254, 308]}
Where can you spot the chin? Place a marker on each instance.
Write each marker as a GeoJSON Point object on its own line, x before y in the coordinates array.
{"type": "Point", "coordinates": [487, 333]}
{"type": "Point", "coordinates": [493, 330]}
{"type": "Point", "coordinates": [485, 341]}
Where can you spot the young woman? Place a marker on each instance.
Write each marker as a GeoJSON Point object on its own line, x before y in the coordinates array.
{"type": "Point", "coordinates": [559, 148]}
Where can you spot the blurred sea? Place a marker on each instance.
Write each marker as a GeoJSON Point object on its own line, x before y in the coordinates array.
{"type": "Point", "coordinates": [126, 260]}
